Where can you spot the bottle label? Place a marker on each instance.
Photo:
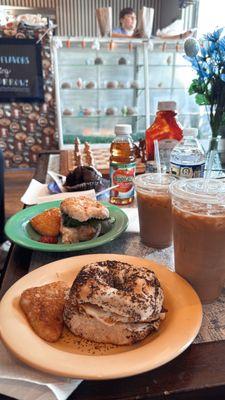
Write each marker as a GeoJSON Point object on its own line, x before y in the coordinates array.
{"type": "Point", "coordinates": [165, 148]}
{"type": "Point", "coordinates": [122, 175]}
{"type": "Point", "coordinates": [150, 166]}
{"type": "Point", "coordinates": [188, 171]}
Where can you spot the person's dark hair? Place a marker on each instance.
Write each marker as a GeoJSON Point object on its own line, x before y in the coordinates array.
{"type": "Point", "coordinates": [126, 11]}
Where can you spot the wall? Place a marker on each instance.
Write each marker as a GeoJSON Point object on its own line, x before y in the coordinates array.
{"type": "Point", "coordinates": [170, 12]}
{"type": "Point", "coordinates": [30, 3]}
{"type": "Point", "coordinates": [77, 17]}
{"type": "Point", "coordinates": [28, 128]}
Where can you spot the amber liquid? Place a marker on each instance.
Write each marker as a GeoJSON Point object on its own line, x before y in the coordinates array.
{"type": "Point", "coordinates": [164, 127]}
{"type": "Point", "coordinates": [122, 152]}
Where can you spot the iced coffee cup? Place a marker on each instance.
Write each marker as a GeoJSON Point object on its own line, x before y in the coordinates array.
{"type": "Point", "coordinates": [198, 209]}
{"type": "Point", "coordinates": [154, 209]}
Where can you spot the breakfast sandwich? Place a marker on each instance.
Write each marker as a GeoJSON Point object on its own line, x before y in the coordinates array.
{"type": "Point", "coordinates": [114, 302]}
{"type": "Point", "coordinates": [43, 307]}
{"type": "Point", "coordinates": [83, 219]}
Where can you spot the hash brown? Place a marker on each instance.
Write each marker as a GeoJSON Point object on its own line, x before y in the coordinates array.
{"type": "Point", "coordinates": [43, 307]}
{"type": "Point", "coordinates": [48, 222]}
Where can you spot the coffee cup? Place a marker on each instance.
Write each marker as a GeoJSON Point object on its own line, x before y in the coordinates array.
{"type": "Point", "coordinates": [198, 210]}
{"type": "Point", "coordinates": [154, 209]}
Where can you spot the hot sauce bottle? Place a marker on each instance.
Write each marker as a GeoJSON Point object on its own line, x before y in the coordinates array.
{"type": "Point", "coordinates": [167, 130]}
{"type": "Point", "coordinates": [122, 166]}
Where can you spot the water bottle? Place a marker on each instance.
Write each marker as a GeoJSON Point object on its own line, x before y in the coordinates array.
{"type": "Point", "coordinates": [187, 159]}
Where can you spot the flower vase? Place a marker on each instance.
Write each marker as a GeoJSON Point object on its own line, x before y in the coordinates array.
{"type": "Point", "coordinates": [213, 164]}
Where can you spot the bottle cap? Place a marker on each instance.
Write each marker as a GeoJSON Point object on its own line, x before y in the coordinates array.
{"type": "Point", "coordinates": [123, 129]}
{"type": "Point", "coordinates": [167, 105]}
{"type": "Point", "coordinates": [190, 132]}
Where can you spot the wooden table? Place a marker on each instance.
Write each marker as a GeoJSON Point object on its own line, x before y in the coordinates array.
{"type": "Point", "coordinates": [198, 373]}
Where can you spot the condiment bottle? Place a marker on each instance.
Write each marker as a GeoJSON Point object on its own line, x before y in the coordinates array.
{"type": "Point", "coordinates": [122, 166]}
{"type": "Point", "coordinates": [167, 130]}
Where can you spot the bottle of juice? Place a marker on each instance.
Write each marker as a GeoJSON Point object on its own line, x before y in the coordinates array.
{"type": "Point", "coordinates": [167, 130]}
{"type": "Point", "coordinates": [122, 166]}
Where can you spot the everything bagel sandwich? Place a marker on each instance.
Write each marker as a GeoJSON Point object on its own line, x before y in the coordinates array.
{"type": "Point", "coordinates": [114, 302]}
{"type": "Point", "coordinates": [83, 219]}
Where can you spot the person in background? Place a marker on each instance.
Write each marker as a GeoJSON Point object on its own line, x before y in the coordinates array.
{"type": "Point", "coordinates": [128, 22]}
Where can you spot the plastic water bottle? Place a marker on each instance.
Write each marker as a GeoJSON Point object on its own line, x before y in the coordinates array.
{"type": "Point", "coordinates": [187, 159]}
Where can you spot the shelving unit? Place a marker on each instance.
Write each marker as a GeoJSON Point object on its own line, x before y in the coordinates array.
{"type": "Point", "coordinates": [95, 111]}
{"type": "Point", "coordinates": [153, 72]}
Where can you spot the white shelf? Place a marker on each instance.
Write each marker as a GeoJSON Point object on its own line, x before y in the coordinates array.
{"type": "Point", "coordinates": [80, 90]}
{"type": "Point", "coordinates": [102, 116]}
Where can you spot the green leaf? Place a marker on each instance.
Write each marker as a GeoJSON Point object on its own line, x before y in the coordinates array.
{"type": "Point", "coordinates": [201, 99]}
{"type": "Point", "coordinates": [105, 224]}
{"type": "Point", "coordinates": [196, 87]}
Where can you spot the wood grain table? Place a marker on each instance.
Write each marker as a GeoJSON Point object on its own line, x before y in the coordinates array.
{"type": "Point", "coordinates": [198, 373]}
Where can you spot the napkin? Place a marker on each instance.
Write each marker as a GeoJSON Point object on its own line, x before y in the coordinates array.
{"type": "Point", "coordinates": [25, 383]}
{"type": "Point", "coordinates": [38, 193]}
{"type": "Point", "coordinates": [132, 214]}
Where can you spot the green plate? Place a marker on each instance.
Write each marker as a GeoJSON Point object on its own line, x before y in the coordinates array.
{"type": "Point", "coordinates": [19, 230]}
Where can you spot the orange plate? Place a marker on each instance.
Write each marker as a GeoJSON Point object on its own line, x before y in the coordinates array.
{"type": "Point", "coordinates": [74, 357]}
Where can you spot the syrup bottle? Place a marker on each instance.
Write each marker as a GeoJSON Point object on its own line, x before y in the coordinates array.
{"type": "Point", "coordinates": [167, 130]}
{"type": "Point", "coordinates": [122, 166]}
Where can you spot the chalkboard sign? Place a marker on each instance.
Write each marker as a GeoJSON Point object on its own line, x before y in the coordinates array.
{"type": "Point", "coordinates": [20, 70]}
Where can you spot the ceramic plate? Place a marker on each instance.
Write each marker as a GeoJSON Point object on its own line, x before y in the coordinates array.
{"type": "Point", "coordinates": [19, 230]}
{"type": "Point", "coordinates": [73, 357]}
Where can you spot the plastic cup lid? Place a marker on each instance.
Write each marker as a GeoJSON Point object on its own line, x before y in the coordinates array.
{"type": "Point", "coordinates": [210, 191]}
{"type": "Point", "coordinates": [153, 181]}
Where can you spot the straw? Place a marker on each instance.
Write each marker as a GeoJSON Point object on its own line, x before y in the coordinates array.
{"type": "Point", "coordinates": [157, 156]}
{"type": "Point", "coordinates": [209, 164]}
{"type": "Point", "coordinates": [106, 190]}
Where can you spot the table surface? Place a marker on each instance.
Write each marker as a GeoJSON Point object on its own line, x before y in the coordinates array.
{"type": "Point", "coordinates": [197, 373]}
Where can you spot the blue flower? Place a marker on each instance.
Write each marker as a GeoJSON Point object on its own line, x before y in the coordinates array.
{"type": "Point", "coordinates": [221, 44]}
{"type": "Point", "coordinates": [214, 36]}
{"type": "Point", "coordinates": [209, 64]}
{"type": "Point", "coordinates": [204, 52]}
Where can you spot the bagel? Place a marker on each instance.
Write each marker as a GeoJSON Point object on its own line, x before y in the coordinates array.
{"type": "Point", "coordinates": [114, 302]}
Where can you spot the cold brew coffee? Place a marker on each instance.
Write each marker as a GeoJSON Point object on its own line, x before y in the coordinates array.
{"type": "Point", "coordinates": [154, 209]}
{"type": "Point", "coordinates": [198, 210]}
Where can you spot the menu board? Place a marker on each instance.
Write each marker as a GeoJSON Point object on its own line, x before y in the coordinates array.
{"type": "Point", "coordinates": [21, 76]}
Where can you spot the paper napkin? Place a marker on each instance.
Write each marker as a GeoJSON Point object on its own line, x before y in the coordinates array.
{"type": "Point", "coordinates": [38, 193]}
{"type": "Point", "coordinates": [21, 382]}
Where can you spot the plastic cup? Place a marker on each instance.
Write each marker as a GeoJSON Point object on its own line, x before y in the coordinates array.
{"type": "Point", "coordinates": [198, 209]}
{"type": "Point", "coordinates": [154, 209]}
